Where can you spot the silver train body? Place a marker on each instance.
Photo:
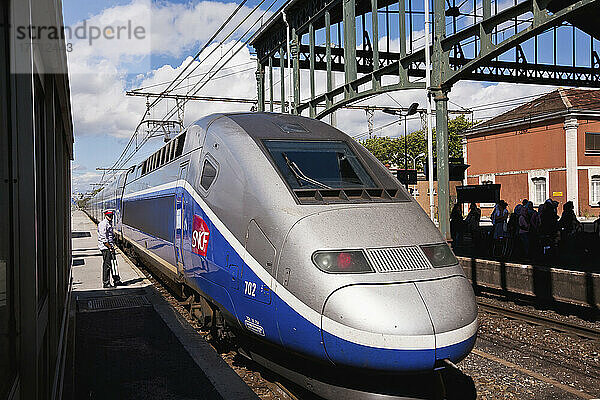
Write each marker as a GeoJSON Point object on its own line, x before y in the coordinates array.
{"type": "Point", "coordinates": [324, 279]}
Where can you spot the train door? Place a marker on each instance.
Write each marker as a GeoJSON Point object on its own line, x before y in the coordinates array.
{"type": "Point", "coordinates": [256, 307]}
{"type": "Point", "coordinates": [180, 217]}
{"type": "Point", "coordinates": [118, 223]}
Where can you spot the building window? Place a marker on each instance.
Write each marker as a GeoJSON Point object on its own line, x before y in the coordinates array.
{"type": "Point", "coordinates": [595, 190]}
{"type": "Point", "coordinates": [592, 142]}
{"type": "Point", "coordinates": [539, 190]}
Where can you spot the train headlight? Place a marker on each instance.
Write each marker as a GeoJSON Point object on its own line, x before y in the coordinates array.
{"type": "Point", "coordinates": [439, 255]}
{"type": "Point", "coordinates": [350, 261]}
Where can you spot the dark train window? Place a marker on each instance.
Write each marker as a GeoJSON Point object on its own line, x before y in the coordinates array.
{"type": "Point", "coordinates": [151, 216]}
{"type": "Point", "coordinates": [162, 156]}
{"type": "Point", "coordinates": [180, 143]}
{"type": "Point", "coordinates": [209, 173]}
{"type": "Point", "coordinates": [319, 165]}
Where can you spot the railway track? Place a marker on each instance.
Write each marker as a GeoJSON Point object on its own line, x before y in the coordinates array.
{"type": "Point", "coordinates": [536, 319]}
{"type": "Point", "coordinates": [536, 355]}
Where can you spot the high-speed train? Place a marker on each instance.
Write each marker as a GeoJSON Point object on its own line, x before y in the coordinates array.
{"type": "Point", "coordinates": [304, 244]}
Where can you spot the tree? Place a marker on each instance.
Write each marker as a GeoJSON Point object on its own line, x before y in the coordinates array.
{"type": "Point", "coordinates": [391, 150]}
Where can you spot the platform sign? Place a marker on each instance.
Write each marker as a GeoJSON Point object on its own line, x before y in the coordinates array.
{"type": "Point", "coordinates": [407, 176]}
{"type": "Point", "coordinates": [200, 236]}
{"type": "Point", "coordinates": [478, 193]}
{"type": "Point", "coordinates": [457, 168]}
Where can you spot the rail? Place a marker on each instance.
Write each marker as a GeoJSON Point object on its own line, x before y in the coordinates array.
{"type": "Point", "coordinates": [562, 326]}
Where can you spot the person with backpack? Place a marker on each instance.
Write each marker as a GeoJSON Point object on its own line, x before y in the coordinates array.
{"type": "Point", "coordinates": [534, 230]}
{"type": "Point", "coordinates": [569, 226]}
{"type": "Point", "coordinates": [524, 226]}
{"type": "Point", "coordinates": [472, 224]}
{"type": "Point", "coordinates": [499, 219]}
{"type": "Point", "coordinates": [457, 225]}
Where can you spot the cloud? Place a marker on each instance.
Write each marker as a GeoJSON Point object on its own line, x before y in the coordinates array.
{"type": "Point", "coordinates": [465, 94]}
{"type": "Point", "coordinates": [133, 32]}
{"type": "Point", "coordinates": [78, 167]}
{"type": "Point", "coordinates": [81, 182]}
{"type": "Point", "coordinates": [101, 74]}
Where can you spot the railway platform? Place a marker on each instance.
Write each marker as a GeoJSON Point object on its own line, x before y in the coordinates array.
{"type": "Point", "coordinates": [129, 343]}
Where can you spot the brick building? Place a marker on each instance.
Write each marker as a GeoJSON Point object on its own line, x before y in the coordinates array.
{"type": "Point", "coordinates": [547, 148]}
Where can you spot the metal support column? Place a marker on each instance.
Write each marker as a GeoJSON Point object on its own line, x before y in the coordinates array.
{"type": "Point", "coordinates": [282, 78]}
{"type": "Point", "coordinates": [401, 39]}
{"type": "Point", "coordinates": [311, 38]}
{"type": "Point", "coordinates": [296, 70]}
{"type": "Point", "coordinates": [260, 86]}
{"type": "Point", "coordinates": [440, 61]}
{"type": "Point", "coordinates": [328, 56]}
{"type": "Point", "coordinates": [271, 83]}
{"type": "Point", "coordinates": [375, 43]}
{"type": "Point", "coordinates": [443, 173]}
{"type": "Point", "coordinates": [485, 37]}
{"type": "Point", "coordinates": [350, 69]}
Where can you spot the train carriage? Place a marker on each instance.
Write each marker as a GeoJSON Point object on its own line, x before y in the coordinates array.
{"type": "Point", "coordinates": [308, 248]}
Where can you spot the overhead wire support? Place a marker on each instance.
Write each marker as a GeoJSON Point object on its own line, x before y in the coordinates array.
{"type": "Point", "coordinates": [123, 158]}
{"type": "Point", "coordinates": [192, 97]}
{"type": "Point", "coordinates": [208, 43]}
{"type": "Point", "coordinates": [196, 89]}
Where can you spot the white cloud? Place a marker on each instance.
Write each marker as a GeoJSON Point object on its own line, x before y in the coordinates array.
{"type": "Point", "coordinates": [78, 167]}
{"type": "Point", "coordinates": [143, 28]}
{"type": "Point", "coordinates": [98, 81]}
{"type": "Point", "coordinates": [82, 182]}
{"type": "Point", "coordinates": [97, 77]}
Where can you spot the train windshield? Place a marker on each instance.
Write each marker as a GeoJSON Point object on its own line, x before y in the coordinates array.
{"type": "Point", "coordinates": [319, 165]}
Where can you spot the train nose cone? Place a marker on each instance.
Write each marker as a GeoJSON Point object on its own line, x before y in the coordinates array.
{"type": "Point", "coordinates": [382, 327]}
{"type": "Point", "coordinates": [453, 310]}
{"type": "Point", "coordinates": [400, 326]}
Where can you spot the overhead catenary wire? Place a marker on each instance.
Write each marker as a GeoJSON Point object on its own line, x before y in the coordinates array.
{"type": "Point", "coordinates": [195, 89]}
{"type": "Point", "coordinates": [177, 81]}
{"type": "Point", "coordinates": [486, 106]}
{"type": "Point", "coordinates": [208, 43]}
{"type": "Point", "coordinates": [139, 89]}
{"type": "Point", "coordinates": [122, 160]}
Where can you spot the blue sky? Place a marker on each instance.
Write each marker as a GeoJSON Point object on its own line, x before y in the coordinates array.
{"type": "Point", "coordinates": [104, 118]}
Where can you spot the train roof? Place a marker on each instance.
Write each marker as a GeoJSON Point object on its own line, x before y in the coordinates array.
{"type": "Point", "coordinates": [264, 125]}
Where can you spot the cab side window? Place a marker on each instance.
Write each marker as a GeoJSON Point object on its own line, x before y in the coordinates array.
{"type": "Point", "coordinates": [209, 173]}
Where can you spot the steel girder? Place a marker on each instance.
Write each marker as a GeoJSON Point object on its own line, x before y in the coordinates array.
{"type": "Point", "coordinates": [364, 68]}
{"type": "Point", "coordinates": [306, 17]}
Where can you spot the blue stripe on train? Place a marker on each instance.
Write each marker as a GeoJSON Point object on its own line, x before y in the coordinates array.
{"type": "Point", "coordinates": [225, 277]}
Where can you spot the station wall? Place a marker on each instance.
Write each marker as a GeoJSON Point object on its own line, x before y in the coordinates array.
{"type": "Point", "coordinates": [532, 147]}
{"type": "Point", "coordinates": [36, 143]}
{"type": "Point", "coordinates": [527, 153]}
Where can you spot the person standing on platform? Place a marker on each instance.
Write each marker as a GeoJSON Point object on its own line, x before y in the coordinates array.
{"type": "Point", "coordinates": [106, 246]}
{"type": "Point", "coordinates": [499, 219]}
{"type": "Point", "coordinates": [569, 227]}
{"type": "Point", "coordinates": [457, 225]}
{"type": "Point", "coordinates": [472, 223]}
{"type": "Point", "coordinates": [524, 228]}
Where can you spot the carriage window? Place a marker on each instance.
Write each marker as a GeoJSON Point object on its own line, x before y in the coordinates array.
{"type": "Point", "coordinates": [180, 143]}
{"type": "Point", "coordinates": [319, 165]}
{"type": "Point", "coordinates": [209, 173]}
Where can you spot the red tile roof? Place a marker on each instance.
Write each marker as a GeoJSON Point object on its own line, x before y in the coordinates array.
{"type": "Point", "coordinates": [557, 101]}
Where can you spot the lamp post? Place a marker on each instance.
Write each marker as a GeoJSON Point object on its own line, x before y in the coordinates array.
{"type": "Point", "coordinates": [415, 158]}
{"type": "Point", "coordinates": [410, 111]}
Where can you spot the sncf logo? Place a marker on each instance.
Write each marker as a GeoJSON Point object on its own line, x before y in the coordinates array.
{"type": "Point", "coordinates": [200, 236]}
